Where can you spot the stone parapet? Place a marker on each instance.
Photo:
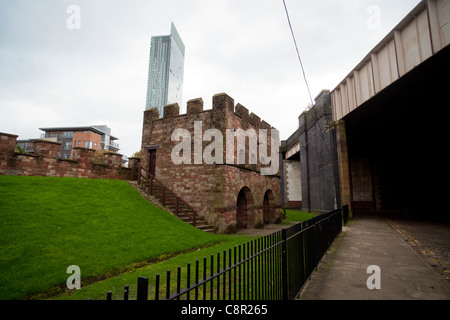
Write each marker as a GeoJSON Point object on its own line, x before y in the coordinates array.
{"type": "Point", "coordinates": [45, 161]}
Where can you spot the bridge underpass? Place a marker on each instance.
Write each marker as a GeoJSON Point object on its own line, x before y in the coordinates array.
{"type": "Point", "coordinates": [390, 122]}
{"type": "Point", "coordinates": [396, 143]}
{"type": "Point", "coordinates": [385, 125]}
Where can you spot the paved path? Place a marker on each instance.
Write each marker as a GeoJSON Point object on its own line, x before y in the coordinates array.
{"type": "Point", "coordinates": [431, 240]}
{"type": "Point", "coordinates": [373, 240]}
{"type": "Point", "coordinates": [268, 229]}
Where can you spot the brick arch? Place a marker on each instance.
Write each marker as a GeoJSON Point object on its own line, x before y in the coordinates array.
{"type": "Point", "coordinates": [244, 203]}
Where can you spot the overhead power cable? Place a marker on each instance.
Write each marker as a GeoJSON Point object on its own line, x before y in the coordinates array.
{"type": "Point", "coordinates": [312, 102]}
{"type": "Point", "coordinates": [298, 54]}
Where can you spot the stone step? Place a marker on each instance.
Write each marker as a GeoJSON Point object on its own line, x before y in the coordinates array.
{"type": "Point", "coordinates": [157, 193]}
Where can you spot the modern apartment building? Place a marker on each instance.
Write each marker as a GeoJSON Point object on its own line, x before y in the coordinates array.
{"type": "Point", "coordinates": [92, 137]}
{"type": "Point", "coordinates": [166, 69]}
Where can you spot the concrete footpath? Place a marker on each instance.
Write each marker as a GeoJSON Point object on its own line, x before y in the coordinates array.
{"type": "Point", "coordinates": [373, 240]}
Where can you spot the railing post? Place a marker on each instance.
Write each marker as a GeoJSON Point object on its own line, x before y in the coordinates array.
{"type": "Point", "coordinates": [139, 175]}
{"type": "Point", "coordinates": [316, 244]}
{"type": "Point", "coordinates": [178, 282]}
{"type": "Point", "coordinates": [126, 292]}
{"type": "Point", "coordinates": [157, 287]}
{"type": "Point", "coordinates": [168, 285]}
{"type": "Point", "coordinates": [345, 212]}
{"type": "Point", "coordinates": [284, 267]}
{"type": "Point", "coordinates": [142, 289]}
{"type": "Point", "coordinates": [151, 185]}
{"type": "Point", "coordinates": [163, 196]}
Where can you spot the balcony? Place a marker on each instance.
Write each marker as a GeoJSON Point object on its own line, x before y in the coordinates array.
{"type": "Point", "coordinates": [114, 145]}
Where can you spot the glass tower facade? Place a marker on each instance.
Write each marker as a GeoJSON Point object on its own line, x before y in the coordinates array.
{"type": "Point", "coordinates": [166, 69]}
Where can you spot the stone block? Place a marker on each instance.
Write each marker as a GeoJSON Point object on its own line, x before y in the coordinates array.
{"type": "Point", "coordinates": [171, 110]}
{"type": "Point", "coordinates": [195, 106]}
{"type": "Point", "coordinates": [151, 114]}
{"type": "Point", "coordinates": [222, 102]}
{"type": "Point", "coordinates": [254, 120]}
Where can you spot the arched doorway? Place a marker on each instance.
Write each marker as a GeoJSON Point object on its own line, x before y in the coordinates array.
{"type": "Point", "coordinates": [244, 201]}
{"type": "Point", "coordinates": [241, 211]}
{"type": "Point", "coordinates": [268, 207]}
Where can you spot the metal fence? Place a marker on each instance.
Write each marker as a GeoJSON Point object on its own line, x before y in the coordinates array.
{"type": "Point", "coordinates": [273, 267]}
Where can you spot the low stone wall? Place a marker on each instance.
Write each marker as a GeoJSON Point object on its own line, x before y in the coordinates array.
{"type": "Point", "coordinates": [45, 161]}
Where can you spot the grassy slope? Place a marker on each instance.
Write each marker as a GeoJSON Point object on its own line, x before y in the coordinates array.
{"type": "Point", "coordinates": [48, 224]}
{"type": "Point", "coordinates": [98, 290]}
{"type": "Point", "coordinates": [116, 284]}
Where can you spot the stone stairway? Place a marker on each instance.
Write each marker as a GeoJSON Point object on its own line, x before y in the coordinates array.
{"type": "Point", "coordinates": [164, 197]}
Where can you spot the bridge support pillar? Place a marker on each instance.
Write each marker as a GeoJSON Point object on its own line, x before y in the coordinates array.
{"type": "Point", "coordinates": [343, 163]}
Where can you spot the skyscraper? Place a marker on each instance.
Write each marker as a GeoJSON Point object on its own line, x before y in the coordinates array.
{"type": "Point", "coordinates": [165, 72]}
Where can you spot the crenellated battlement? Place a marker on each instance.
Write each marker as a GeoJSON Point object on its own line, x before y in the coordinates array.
{"type": "Point", "coordinates": [225, 121]}
{"type": "Point", "coordinates": [212, 157]}
{"type": "Point", "coordinates": [221, 104]}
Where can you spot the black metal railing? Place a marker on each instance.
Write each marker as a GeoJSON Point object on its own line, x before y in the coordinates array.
{"type": "Point", "coordinates": [273, 267]}
{"type": "Point", "coordinates": [166, 195]}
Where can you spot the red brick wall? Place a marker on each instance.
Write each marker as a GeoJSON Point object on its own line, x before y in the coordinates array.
{"type": "Point", "coordinates": [45, 161]}
{"type": "Point", "coordinates": [211, 189]}
{"type": "Point", "coordinates": [294, 204]}
{"type": "Point", "coordinates": [79, 140]}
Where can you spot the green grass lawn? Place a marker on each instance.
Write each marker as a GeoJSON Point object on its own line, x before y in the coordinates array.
{"type": "Point", "coordinates": [98, 290]}
{"type": "Point", "coordinates": [102, 226]}
{"type": "Point", "coordinates": [116, 284]}
{"type": "Point", "coordinates": [298, 216]}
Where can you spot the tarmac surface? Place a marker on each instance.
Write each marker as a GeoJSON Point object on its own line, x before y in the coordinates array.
{"type": "Point", "coordinates": [412, 256]}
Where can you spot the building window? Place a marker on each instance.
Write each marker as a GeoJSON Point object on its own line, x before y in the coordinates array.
{"type": "Point", "coordinates": [68, 146]}
{"type": "Point", "coordinates": [89, 144]}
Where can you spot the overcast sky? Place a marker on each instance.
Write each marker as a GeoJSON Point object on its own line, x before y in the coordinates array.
{"type": "Point", "coordinates": [54, 75]}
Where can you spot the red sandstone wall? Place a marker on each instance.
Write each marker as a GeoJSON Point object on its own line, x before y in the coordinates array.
{"type": "Point", "coordinates": [235, 179]}
{"type": "Point", "coordinates": [210, 189]}
{"type": "Point", "coordinates": [45, 161]}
